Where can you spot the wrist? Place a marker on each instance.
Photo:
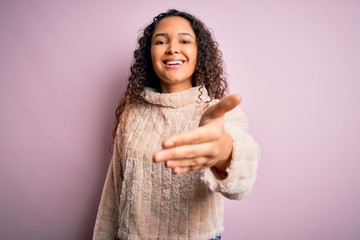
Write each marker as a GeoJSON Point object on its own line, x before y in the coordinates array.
{"type": "Point", "coordinates": [219, 169]}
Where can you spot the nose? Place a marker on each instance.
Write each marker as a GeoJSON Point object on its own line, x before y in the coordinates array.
{"type": "Point", "coordinates": [173, 48]}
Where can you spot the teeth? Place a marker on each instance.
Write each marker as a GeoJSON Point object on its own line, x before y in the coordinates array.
{"type": "Point", "coordinates": [173, 62]}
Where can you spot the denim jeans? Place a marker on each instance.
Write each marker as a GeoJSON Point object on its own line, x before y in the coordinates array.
{"type": "Point", "coordinates": [218, 237]}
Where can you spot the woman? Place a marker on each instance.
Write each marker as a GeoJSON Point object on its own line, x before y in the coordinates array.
{"type": "Point", "coordinates": [175, 151]}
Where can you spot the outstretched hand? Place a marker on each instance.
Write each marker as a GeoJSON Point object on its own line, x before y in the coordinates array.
{"type": "Point", "coordinates": [208, 145]}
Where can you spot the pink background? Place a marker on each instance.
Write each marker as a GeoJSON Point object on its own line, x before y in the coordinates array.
{"type": "Point", "coordinates": [63, 67]}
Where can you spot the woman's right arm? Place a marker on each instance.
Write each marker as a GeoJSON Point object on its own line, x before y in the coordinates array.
{"type": "Point", "coordinates": [107, 219]}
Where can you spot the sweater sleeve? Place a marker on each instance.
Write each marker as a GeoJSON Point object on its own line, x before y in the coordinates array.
{"type": "Point", "coordinates": [244, 160]}
{"type": "Point", "coordinates": [106, 224]}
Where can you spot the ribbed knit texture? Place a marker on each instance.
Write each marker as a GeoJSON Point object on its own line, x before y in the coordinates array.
{"type": "Point", "coordinates": [143, 200]}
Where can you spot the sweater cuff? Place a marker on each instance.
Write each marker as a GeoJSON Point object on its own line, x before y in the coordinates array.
{"type": "Point", "coordinates": [242, 169]}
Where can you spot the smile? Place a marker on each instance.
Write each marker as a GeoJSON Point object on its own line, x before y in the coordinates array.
{"type": "Point", "coordinates": [173, 63]}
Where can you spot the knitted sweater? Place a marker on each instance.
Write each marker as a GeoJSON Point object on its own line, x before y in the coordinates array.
{"type": "Point", "coordinates": [143, 200]}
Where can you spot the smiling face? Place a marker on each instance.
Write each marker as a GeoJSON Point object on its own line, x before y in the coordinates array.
{"type": "Point", "coordinates": [174, 53]}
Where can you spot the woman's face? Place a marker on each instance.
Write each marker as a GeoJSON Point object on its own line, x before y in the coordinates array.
{"type": "Point", "coordinates": [174, 53]}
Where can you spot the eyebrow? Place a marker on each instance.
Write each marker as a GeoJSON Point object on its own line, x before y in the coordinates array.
{"type": "Point", "coordinates": [165, 34]}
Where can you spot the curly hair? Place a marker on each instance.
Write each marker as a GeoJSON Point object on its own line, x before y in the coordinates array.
{"type": "Point", "coordinates": [208, 72]}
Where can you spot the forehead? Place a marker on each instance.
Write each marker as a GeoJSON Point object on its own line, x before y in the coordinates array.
{"type": "Point", "coordinates": [174, 24]}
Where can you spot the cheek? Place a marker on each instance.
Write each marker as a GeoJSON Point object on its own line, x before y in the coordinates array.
{"type": "Point", "coordinates": [194, 58]}
{"type": "Point", "coordinates": [193, 54]}
{"type": "Point", "coordinates": [154, 55]}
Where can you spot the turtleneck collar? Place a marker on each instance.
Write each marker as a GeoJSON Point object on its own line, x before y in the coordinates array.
{"type": "Point", "coordinates": [177, 99]}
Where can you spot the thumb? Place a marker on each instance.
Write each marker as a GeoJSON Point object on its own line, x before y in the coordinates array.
{"type": "Point", "coordinates": [225, 105]}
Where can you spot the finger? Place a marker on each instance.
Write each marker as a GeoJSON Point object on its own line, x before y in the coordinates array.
{"type": "Point", "coordinates": [225, 105]}
{"type": "Point", "coordinates": [179, 171]}
{"type": "Point", "coordinates": [202, 134]}
{"type": "Point", "coordinates": [182, 170]}
{"type": "Point", "coordinates": [191, 163]}
{"type": "Point", "coordinates": [194, 136]}
{"type": "Point", "coordinates": [185, 152]}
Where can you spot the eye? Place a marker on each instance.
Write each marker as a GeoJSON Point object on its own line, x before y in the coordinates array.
{"type": "Point", "coordinates": [185, 41]}
{"type": "Point", "coordinates": [160, 42]}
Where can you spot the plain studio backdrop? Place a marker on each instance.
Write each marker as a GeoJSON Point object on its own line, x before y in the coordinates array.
{"type": "Point", "coordinates": [63, 68]}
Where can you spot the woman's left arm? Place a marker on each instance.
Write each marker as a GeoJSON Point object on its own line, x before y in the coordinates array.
{"type": "Point", "coordinates": [220, 146]}
{"type": "Point", "coordinates": [241, 168]}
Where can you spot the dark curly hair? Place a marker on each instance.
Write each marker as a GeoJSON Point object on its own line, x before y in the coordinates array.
{"type": "Point", "coordinates": [208, 71]}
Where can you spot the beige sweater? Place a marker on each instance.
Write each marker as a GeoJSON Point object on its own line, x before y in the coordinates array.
{"type": "Point", "coordinates": [143, 200]}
